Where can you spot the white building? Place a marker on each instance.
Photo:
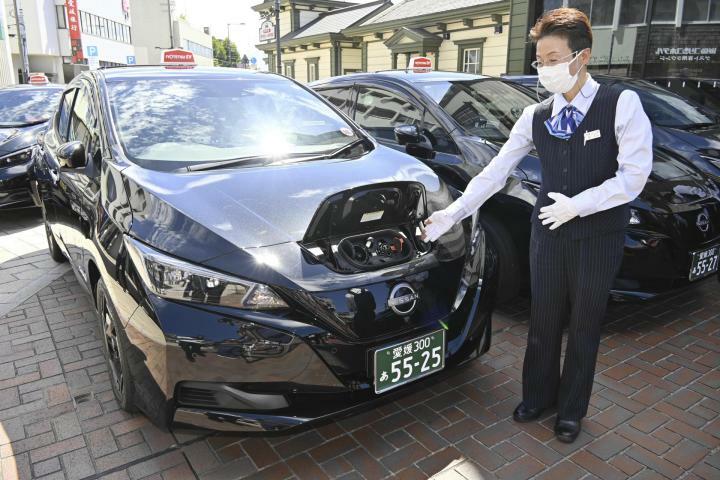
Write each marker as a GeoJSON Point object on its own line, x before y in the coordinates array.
{"type": "Point", "coordinates": [103, 24]}
{"type": "Point", "coordinates": [155, 29]}
{"type": "Point", "coordinates": [7, 75]}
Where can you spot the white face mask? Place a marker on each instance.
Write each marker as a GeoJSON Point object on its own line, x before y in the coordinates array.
{"type": "Point", "coordinates": [557, 78]}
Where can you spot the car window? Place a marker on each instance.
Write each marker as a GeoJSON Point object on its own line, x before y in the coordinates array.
{"type": "Point", "coordinates": [380, 111]}
{"type": "Point", "coordinates": [63, 119]}
{"type": "Point", "coordinates": [438, 136]}
{"type": "Point", "coordinates": [83, 119]}
{"type": "Point", "coordinates": [340, 97]}
{"type": "Point", "coordinates": [179, 121]}
{"type": "Point", "coordinates": [28, 106]}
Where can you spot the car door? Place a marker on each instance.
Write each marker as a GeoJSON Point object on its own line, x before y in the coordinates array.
{"type": "Point", "coordinates": [83, 182]}
{"type": "Point", "coordinates": [53, 192]}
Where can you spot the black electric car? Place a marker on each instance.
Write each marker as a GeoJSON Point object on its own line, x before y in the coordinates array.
{"type": "Point", "coordinates": [682, 128]}
{"type": "Point", "coordinates": [456, 123]}
{"type": "Point", "coordinates": [254, 256]}
{"type": "Point", "coordinates": [24, 113]}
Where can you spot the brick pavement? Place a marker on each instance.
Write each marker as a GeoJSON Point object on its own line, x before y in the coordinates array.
{"type": "Point", "coordinates": [655, 410]}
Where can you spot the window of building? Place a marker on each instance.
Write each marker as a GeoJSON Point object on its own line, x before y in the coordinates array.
{"type": "Point", "coordinates": [312, 69]}
{"type": "Point", "coordinates": [472, 58]}
{"type": "Point", "coordinates": [61, 17]}
{"type": "Point", "coordinates": [632, 11]}
{"type": "Point", "coordinates": [663, 10]}
{"type": "Point", "coordinates": [380, 111]}
{"type": "Point", "coordinates": [600, 12]}
{"type": "Point", "coordinates": [701, 10]}
{"type": "Point", "coordinates": [198, 49]}
{"type": "Point", "coordinates": [289, 69]}
{"type": "Point", "coordinates": [104, 28]}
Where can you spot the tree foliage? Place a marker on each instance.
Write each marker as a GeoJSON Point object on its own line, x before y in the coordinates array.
{"type": "Point", "coordinates": [225, 52]}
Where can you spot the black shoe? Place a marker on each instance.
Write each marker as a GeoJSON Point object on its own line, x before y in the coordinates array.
{"type": "Point", "coordinates": [567, 430]}
{"type": "Point", "coordinates": [523, 414]}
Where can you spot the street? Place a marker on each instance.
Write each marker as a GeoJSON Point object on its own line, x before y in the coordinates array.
{"type": "Point", "coordinates": [655, 409]}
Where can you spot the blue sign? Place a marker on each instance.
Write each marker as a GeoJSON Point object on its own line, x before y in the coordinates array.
{"type": "Point", "coordinates": [253, 60]}
{"type": "Point", "coordinates": [131, 60]}
{"type": "Point", "coordinates": [92, 51]}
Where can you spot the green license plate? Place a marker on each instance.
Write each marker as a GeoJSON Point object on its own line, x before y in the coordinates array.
{"type": "Point", "coordinates": [704, 263]}
{"type": "Point", "coordinates": [404, 362]}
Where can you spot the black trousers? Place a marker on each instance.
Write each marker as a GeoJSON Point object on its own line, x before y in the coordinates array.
{"type": "Point", "coordinates": [570, 282]}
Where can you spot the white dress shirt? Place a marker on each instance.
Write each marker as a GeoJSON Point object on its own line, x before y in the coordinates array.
{"type": "Point", "coordinates": [633, 134]}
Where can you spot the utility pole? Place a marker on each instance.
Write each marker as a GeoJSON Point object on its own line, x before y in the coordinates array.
{"type": "Point", "coordinates": [22, 41]}
{"type": "Point", "coordinates": [277, 37]}
{"type": "Point", "coordinates": [170, 21]}
{"type": "Point", "coordinates": [227, 48]}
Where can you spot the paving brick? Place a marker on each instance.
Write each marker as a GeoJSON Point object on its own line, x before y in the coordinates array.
{"type": "Point", "coordinates": [686, 454]}
{"type": "Point", "coordinates": [612, 417]}
{"type": "Point", "coordinates": [508, 451]}
{"type": "Point", "coordinates": [521, 469]}
{"type": "Point", "coordinates": [46, 467]}
{"type": "Point", "coordinates": [404, 457]}
{"type": "Point", "coordinates": [333, 448]}
{"type": "Point", "coordinates": [374, 443]}
{"type": "Point", "coordinates": [201, 457]}
{"type": "Point", "coordinates": [654, 462]}
{"type": "Point", "coordinates": [530, 445]}
{"type": "Point", "coordinates": [648, 420]}
{"type": "Point", "coordinates": [78, 464]}
{"type": "Point", "coordinates": [260, 452]}
{"type": "Point", "coordinates": [365, 463]}
{"type": "Point", "coordinates": [305, 467]}
{"type": "Point", "coordinates": [121, 457]}
{"type": "Point", "coordinates": [564, 470]}
{"type": "Point", "coordinates": [66, 426]}
{"type": "Point", "coordinates": [496, 433]}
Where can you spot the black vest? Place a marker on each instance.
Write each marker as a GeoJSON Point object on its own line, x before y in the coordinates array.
{"type": "Point", "coordinates": [570, 166]}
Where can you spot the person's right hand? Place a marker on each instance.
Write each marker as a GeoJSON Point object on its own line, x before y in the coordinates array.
{"type": "Point", "coordinates": [436, 226]}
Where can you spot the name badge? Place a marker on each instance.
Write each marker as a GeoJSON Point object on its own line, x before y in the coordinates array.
{"type": "Point", "coordinates": [591, 136]}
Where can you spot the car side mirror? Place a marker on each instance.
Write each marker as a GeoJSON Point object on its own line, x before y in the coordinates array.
{"type": "Point", "coordinates": [405, 134]}
{"type": "Point", "coordinates": [71, 155]}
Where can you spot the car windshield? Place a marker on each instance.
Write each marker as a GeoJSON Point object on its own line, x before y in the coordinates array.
{"type": "Point", "coordinates": [667, 109]}
{"type": "Point", "coordinates": [200, 120]}
{"type": "Point", "coordinates": [486, 107]}
{"type": "Point", "coordinates": [27, 106]}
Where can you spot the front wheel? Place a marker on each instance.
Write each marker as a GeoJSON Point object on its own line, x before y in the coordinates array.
{"type": "Point", "coordinates": [55, 252]}
{"type": "Point", "coordinates": [115, 355]}
{"type": "Point", "coordinates": [501, 241]}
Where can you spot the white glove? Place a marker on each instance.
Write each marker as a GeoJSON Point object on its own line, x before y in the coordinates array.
{"type": "Point", "coordinates": [559, 212]}
{"type": "Point", "coordinates": [437, 225]}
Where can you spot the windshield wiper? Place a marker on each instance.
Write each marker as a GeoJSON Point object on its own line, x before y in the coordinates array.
{"type": "Point", "coordinates": [231, 162]}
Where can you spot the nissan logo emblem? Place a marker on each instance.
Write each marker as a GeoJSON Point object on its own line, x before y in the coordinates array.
{"type": "Point", "coordinates": [703, 222]}
{"type": "Point", "coordinates": [403, 299]}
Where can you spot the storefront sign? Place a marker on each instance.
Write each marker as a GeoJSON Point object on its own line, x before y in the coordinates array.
{"type": "Point", "coordinates": [686, 54]}
{"type": "Point", "coordinates": [420, 64]}
{"type": "Point", "coordinates": [73, 16]}
{"type": "Point", "coordinates": [267, 31]}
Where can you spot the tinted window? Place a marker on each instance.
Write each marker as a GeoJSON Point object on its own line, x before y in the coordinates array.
{"type": "Point", "coordinates": [64, 114]}
{"type": "Point", "coordinates": [83, 119]}
{"type": "Point", "coordinates": [380, 111]}
{"type": "Point", "coordinates": [439, 138]}
{"type": "Point", "coordinates": [487, 108]}
{"type": "Point", "coordinates": [192, 120]}
{"type": "Point", "coordinates": [340, 97]}
{"type": "Point", "coordinates": [27, 106]}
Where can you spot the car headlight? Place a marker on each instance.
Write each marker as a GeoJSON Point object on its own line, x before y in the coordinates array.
{"type": "Point", "coordinates": [16, 158]}
{"type": "Point", "coordinates": [174, 279]}
{"type": "Point", "coordinates": [634, 217]}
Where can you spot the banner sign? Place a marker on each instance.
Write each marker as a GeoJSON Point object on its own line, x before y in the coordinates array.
{"type": "Point", "coordinates": [267, 31]}
{"type": "Point", "coordinates": [73, 16]}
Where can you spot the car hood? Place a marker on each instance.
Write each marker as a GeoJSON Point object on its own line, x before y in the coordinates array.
{"type": "Point", "coordinates": [201, 215]}
{"type": "Point", "coordinates": [699, 138]}
{"type": "Point", "coordinates": [17, 138]}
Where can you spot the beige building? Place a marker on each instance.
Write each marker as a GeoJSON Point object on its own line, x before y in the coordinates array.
{"type": "Point", "coordinates": [327, 38]}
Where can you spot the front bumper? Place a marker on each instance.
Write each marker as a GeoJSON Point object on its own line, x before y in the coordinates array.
{"type": "Point", "coordinates": [15, 187]}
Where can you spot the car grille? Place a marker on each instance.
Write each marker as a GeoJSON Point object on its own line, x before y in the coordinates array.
{"type": "Point", "coordinates": [197, 396]}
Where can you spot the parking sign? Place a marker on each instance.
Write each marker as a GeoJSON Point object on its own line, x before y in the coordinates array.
{"type": "Point", "coordinates": [131, 60]}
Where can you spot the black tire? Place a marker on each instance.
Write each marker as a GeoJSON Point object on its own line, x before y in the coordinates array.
{"type": "Point", "coordinates": [55, 252]}
{"type": "Point", "coordinates": [508, 267]}
{"type": "Point", "coordinates": [111, 334]}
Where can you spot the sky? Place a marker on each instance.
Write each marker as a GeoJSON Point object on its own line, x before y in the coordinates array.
{"type": "Point", "coordinates": [216, 14]}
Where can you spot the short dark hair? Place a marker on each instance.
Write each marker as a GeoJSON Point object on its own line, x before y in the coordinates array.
{"type": "Point", "coordinates": [569, 23]}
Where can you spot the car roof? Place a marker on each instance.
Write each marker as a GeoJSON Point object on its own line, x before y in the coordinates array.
{"type": "Point", "coordinates": [24, 86]}
{"type": "Point", "coordinates": [169, 71]}
{"type": "Point", "coordinates": [406, 76]}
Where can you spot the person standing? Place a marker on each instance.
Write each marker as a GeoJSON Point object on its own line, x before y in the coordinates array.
{"type": "Point", "coordinates": [595, 148]}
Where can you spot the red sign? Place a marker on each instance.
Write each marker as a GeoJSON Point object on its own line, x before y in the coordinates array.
{"type": "Point", "coordinates": [420, 64]}
{"type": "Point", "coordinates": [177, 58]}
{"type": "Point", "coordinates": [267, 31]}
{"type": "Point", "coordinates": [73, 16]}
{"type": "Point", "coordinates": [38, 79]}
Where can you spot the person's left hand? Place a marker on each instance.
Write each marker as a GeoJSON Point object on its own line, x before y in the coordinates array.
{"type": "Point", "coordinates": [559, 212]}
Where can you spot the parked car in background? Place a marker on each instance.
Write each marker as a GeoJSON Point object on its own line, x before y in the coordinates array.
{"type": "Point", "coordinates": [681, 128]}
{"type": "Point", "coordinates": [456, 123]}
{"type": "Point", "coordinates": [24, 113]}
{"type": "Point", "coordinates": [703, 91]}
{"type": "Point", "coordinates": [254, 257]}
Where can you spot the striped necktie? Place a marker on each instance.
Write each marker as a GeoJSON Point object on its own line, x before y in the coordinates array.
{"type": "Point", "coordinates": [564, 124]}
